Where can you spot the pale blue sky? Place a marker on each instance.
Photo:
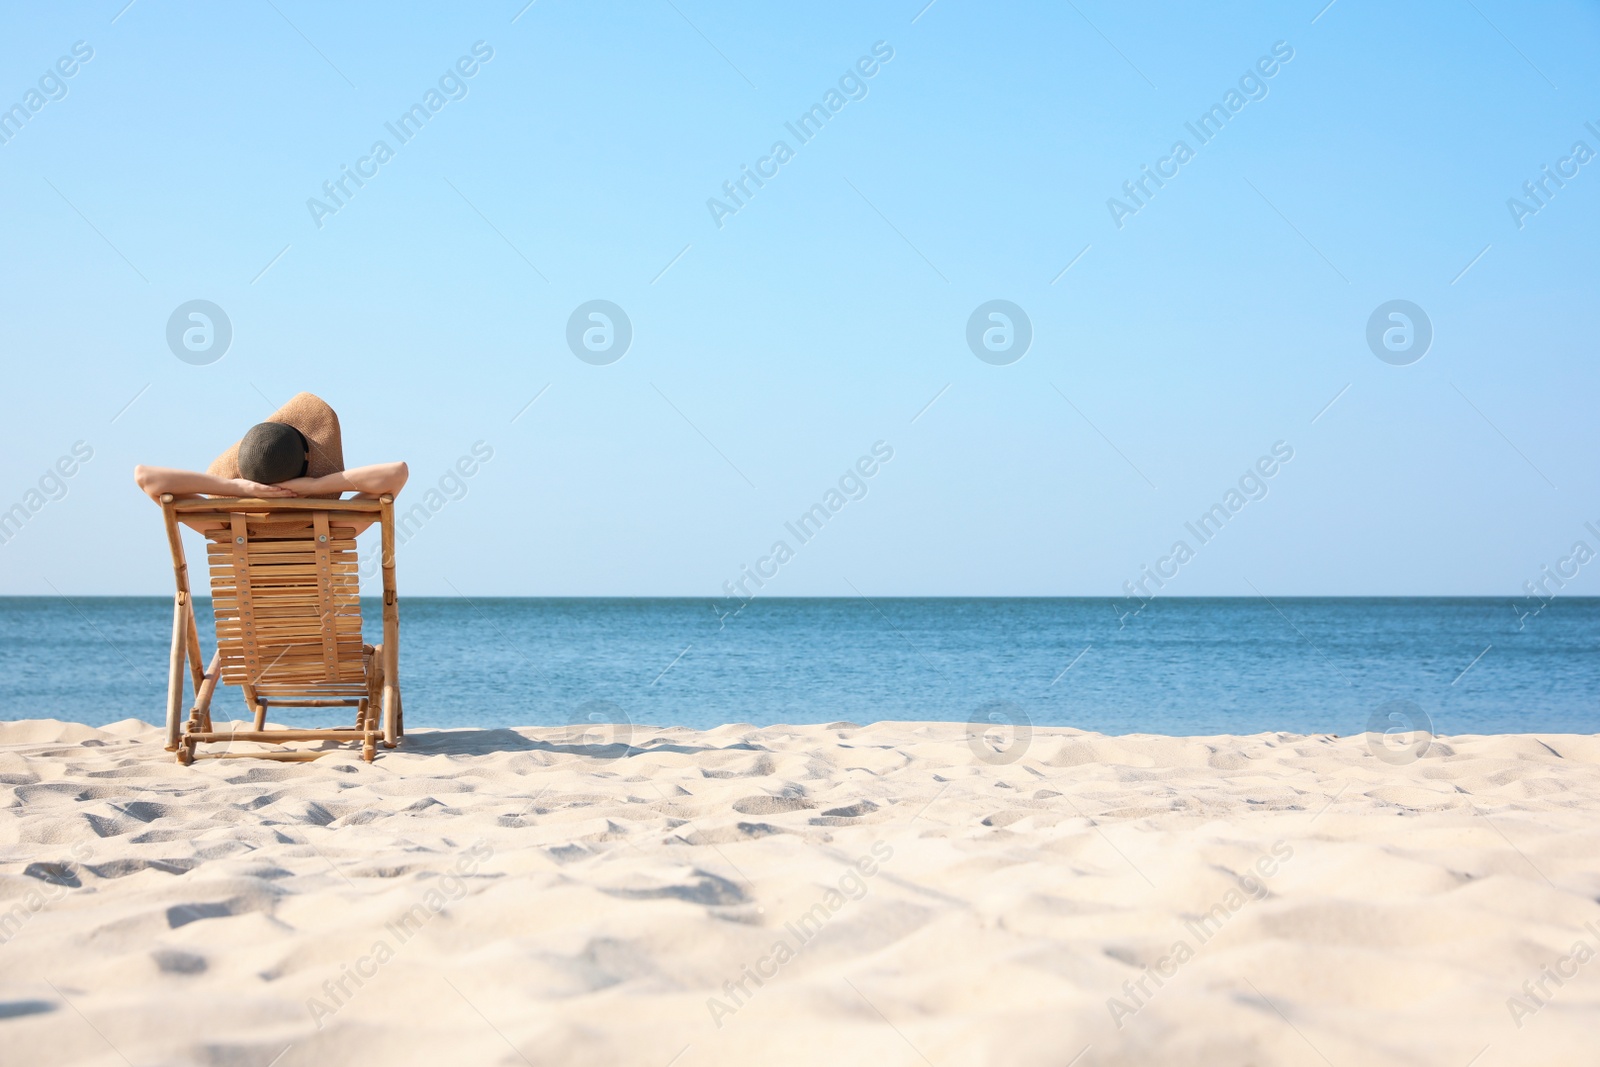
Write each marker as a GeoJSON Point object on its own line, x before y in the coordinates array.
{"type": "Point", "coordinates": [827, 313]}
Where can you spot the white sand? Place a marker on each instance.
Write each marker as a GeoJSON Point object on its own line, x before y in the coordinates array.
{"type": "Point", "coordinates": [193, 916]}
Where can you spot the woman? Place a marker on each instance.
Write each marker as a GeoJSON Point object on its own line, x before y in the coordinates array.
{"type": "Point", "coordinates": [297, 452]}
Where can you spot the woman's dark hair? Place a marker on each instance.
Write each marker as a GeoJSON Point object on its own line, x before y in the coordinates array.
{"type": "Point", "coordinates": [273, 452]}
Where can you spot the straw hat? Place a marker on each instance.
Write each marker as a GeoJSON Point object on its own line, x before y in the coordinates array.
{"type": "Point", "coordinates": [315, 420]}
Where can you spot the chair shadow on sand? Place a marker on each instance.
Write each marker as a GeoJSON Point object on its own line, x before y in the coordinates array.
{"type": "Point", "coordinates": [487, 742]}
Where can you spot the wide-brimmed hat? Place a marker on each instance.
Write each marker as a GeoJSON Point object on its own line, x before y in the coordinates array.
{"type": "Point", "coordinates": [315, 420]}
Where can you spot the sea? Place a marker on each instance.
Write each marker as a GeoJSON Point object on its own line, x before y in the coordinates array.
{"type": "Point", "coordinates": [1180, 666]}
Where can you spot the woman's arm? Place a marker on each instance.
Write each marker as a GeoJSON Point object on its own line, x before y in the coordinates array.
{"type": "Point", "coordinates": [373, 480]}
{"type": "Point", "coordinates": [158, 480]}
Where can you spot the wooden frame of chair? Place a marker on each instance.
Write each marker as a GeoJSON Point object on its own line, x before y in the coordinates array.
{"type": "Point", "coordinates": [295, 594]}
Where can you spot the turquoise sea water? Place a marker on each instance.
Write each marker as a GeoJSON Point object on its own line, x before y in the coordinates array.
{"type": "Point", "coordinates": [1182, 666]}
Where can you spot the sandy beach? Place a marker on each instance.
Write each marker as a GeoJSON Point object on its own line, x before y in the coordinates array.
{"type": "Point", "coordinates": [883, 894]}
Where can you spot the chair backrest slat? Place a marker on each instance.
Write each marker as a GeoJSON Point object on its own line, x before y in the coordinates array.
{"type": "Point", "coordinates": [286, 595]}
{"type": "Point", "coordinates": [244, 602]}
{"type": "Point", "coordinates": [325, 601]}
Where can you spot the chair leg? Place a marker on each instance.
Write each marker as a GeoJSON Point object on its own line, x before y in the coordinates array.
{"type": "Point", "coordinates": [391, 696]}
{"type": "Point", "coordinates": [200, 713]}
{"type": "Point", "coordinates": [175, 676]}
{"type": "Point", "coordinates": [391, 714]}
{"type": "Point", "coordinates": [373, 666]}
{"type": "Point", "coordinates": [261, 716]}
{"type": "Point", "coordinates": [378, 701]}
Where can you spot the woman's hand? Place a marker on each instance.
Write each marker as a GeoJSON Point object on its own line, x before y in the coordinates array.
{"type": "Point", "coordinates": [159, 481]}
{"type": "Point", "coordinates": [371, 480]}
{"type": "Point", "coordinates": [304, 486]}
{"type": "Point", "coordinates": [260, 490]}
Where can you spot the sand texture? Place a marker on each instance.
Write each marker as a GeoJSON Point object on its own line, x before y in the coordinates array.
{"type": "Point", "coordinates": [811, 895]}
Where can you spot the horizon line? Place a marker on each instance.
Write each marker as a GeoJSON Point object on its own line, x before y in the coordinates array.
{"type": "Point", "coordinates": [831, 596]}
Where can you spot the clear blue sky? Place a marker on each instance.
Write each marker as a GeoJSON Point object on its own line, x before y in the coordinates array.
{"type": "Point", "coordinates": [770, 353]}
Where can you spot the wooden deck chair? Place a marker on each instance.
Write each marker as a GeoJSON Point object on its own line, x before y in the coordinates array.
{"type": "Point", "coordinates": [285, 594]}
